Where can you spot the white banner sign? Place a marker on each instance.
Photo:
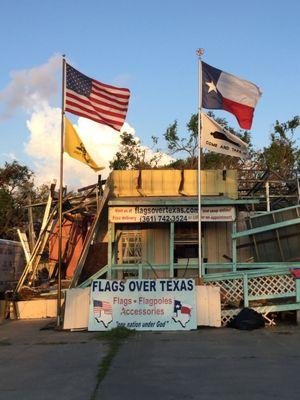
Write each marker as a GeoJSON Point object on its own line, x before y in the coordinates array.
{"type": "Point", "coordinates": [140, 214]}
{"type": "Point", "coordinates": [160, 304]}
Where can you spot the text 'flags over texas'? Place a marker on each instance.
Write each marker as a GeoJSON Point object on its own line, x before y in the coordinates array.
{"type": "Point", "coordinates": [223, 91]}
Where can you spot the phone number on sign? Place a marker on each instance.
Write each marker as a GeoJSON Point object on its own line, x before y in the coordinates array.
{"type": "Point", "coordinates": [164, 218]}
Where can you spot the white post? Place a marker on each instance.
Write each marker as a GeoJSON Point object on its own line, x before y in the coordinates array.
{"type": "Point", "coordinates": [60, 202]}
{"type": "Point", "coordinates": [199, 53]}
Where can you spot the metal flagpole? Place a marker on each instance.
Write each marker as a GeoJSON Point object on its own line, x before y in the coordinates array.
{"type": "Point", "coordinates": [61, 172]}
{"type": "Point", "coordinates": [199, 53]}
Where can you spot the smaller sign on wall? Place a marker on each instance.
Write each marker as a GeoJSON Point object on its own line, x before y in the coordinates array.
{"type": "Point", "coordinates": [167, 214]}
{"type": "Point", "coordinates": [147, 304]}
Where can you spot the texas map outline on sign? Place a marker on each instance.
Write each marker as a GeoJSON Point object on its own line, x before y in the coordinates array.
{"type": "Point", "coordinates": [182, 313]}
{"type": "Point", "coordinates": [103, 312]}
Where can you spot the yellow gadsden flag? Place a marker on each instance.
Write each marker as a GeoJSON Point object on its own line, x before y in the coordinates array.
{"type": "Point", "coordinates": [75, 148]}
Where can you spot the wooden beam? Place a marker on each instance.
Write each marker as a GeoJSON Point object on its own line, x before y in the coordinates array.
{"type": "Point", "coordinates": [266, 228]}
{"type": "Point", "coordinates": [25, 244]}
{"type": "Point", "coordinates": [234, 246]}
{"type": "Point", "coordinates": [89, 237]}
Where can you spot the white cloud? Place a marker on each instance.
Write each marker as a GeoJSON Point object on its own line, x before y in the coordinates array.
{"type": "Point", "coordinates": [30, 89]}
{"type": "Point", "coordinates": [11, 156]}
{"type": "Point", "coordinates": [44, 148]}
{"type": "Point", "coordinates": [34, 90]}
{"type": "Point", "coordinates": [102, 142]}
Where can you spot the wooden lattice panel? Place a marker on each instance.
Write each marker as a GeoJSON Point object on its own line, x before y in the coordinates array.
{"type": "Point", "coordinates": [228, 315]}
{"type": "Point", "coordinates": [231, 290]}
{"type": "Point", "coordinates": [269, 285]}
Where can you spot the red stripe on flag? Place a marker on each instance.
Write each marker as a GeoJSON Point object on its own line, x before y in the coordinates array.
{"type": "Point", "coordinates": [185, 310]}
{"type": "Point", "coordinates": [243, 113]}
{"type": "Point", "coordinates": [116, 101]}
{"type": "Point", "coordinates": [117, 96]}
{"type": "Point", "coordinates": [105, 85]}
{"type": "Point", "coordinates": [105, 104]}
{"type": "Point", "coordinates": [94, 111]}
{"type": "Point", "coordinates": [93, 103]}
{"type": "Point", "coordinates": [94, 118]}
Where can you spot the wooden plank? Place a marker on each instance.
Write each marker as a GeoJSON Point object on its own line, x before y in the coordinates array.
{"type": "Point", "coordinates": [245, 290]}
{"type": "Point", "coordinates": [90, 236]}
{"type": "Point", "coordinates": [267, 228]}
{"type": "Point", "coordinates": [208, 306]}
{"type": "Point", "coordinates": [48, 206]}
{"type": "Point", "coordinates": [76, 314]}
{"type": "Point", "coordinates": [278, 240]}
{"type": "Point", "coordinates": [25, 244]}
{"type": "Point", "coordinates": [276, 211]}
{"type": "Point", "coordinates": [109, 249]}
{"type": "Point", "coordinates": [31, 232]}
{"type": "Point", "coordinates": [234, 246]}
{"type": "Point", "coordinates": [97, 275]}
{"type": "Point", "coordinates": [202, 306]}
{"type": "Point", "coordinates": [214, 306]}
{"type": "Point", "coordinates": [41, 242]}
{"type": "Point", "coordinates": [32, 264]}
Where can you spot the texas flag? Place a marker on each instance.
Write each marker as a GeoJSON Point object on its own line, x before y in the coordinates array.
{"type": "Point", "coordinates": [223, 91]}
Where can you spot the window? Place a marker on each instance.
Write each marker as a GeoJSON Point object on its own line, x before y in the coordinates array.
{"type": "Point", "coordinates": [132, 247]}
{"type": "Point", "coordinates": [185, 242]}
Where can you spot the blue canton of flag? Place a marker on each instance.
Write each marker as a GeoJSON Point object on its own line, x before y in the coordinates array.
{"type": "Point", "coordinates": [177, 306]}
{"type": "Point", "coordinates": [97, 306]}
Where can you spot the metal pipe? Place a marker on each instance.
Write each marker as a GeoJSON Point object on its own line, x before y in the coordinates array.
{"type": "Point", "coordinates": [60, 216]}
{"type": "Point", "coordinates": [199, 53]}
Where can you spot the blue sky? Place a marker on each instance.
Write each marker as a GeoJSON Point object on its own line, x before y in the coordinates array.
{"type": "Point", "coordinates": [150, 47]}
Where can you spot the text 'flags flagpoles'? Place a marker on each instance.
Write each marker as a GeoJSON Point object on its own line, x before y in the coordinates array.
{"type": "Point", "coordinates": [60, 201]}
{"type": "Point", "coordinates": [199, 53]}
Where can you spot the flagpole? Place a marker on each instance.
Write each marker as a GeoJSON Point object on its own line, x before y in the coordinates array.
{"type": "Point", "coordinates": [60, 201]}
{"type": "Point", "coordinates": [199, 53]}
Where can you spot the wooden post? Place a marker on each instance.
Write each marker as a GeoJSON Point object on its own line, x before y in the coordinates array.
{"type": "Point", "coordinates": [31, 233]}
{"type": "Point", "coordinates": [140, 271]}
{"type": "Point", "coordinates": [245, 289]}
{"type": "Point", "coordinates": [234, 250]}
{"type": "Point", "coordinates": [110, 249]}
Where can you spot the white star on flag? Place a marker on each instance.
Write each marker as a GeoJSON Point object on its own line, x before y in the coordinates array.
{"type": "Point", "coordinates": [211, 87]}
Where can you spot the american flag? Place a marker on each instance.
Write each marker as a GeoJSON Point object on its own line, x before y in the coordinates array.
{"type": "Point", "coordinates": [92, 99]}
{"type": "Point", "coordinates": [100, 306]}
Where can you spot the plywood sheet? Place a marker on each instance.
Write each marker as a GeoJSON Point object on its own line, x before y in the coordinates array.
{"type": "Point", "coordinates": [77, 308]}
{"type": "Point", "coordinates": [217, 241]}
{"type": "Point", "coordinates": [168, 183]}
{"type": "Point", "coordinates": [160, 183]}
{"type": "Point", "coordinates": [31, 309]}
{"type": "Point", "coordinates": [208, 304]}
{"type": "Point", "coordinates": [125, 183]}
